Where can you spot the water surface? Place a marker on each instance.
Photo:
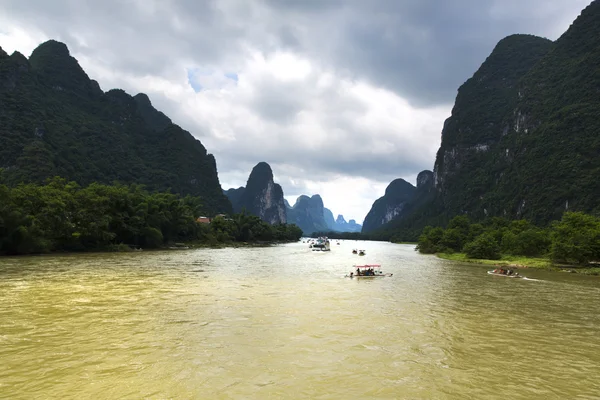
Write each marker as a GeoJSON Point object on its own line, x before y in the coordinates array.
{"type": "Point", "coordinates": [283, 322]}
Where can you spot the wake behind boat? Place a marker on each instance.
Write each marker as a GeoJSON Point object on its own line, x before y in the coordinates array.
{"type": "Point", "coordinates": [367, 271]}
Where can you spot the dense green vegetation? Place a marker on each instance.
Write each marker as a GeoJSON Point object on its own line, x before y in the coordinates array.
{"type": "Point", "coordinates": [575, 239]}
{"type": "Point", "coordinates": [62, 216]}
{"type": "Point", "coordinates": [56, 121]}
{"type": "Point", "coordinates": [522, 140]}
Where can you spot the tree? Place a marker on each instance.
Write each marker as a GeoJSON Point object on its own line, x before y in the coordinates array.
{"type": "Point", "coordinates": [483, 247]}
{"type": "Point", "coordinates": [532, 242]}
{"type": "Point", "coordinates": [429, 241]}
{"type": "Point", "coordinates": [453, 239]}
{"type": "Point", "coordinates": [576, 238]}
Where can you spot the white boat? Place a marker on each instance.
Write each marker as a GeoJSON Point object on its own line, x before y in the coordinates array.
{"type": "Point", "coordinates": [367, 271]}
{"type": "Point", "coordinates": [322, 244]}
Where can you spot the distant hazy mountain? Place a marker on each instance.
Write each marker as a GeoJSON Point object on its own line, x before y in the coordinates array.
{"type": "Point", "coordinates": [342, 226]}
{"type": "Point", "coordinates": [308, 214]}
{"type": "Point", "coordinates": [329, 220]}
{"type": "Point", "coordinates": [311, 216]}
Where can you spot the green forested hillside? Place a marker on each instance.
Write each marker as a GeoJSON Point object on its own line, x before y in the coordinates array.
{"type": "Point", "coordinates": [556, 129]}
{"type": "Point", "coordinates": [472, 156]}
{"type": "Point", "coordinates": [55, 121]}
{"type": "Point", "coordinates": [524, 136]}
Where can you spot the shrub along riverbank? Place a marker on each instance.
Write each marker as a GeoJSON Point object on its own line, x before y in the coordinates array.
{"type": "Point", "coordinates": [573, 242]}
{"type": "Point", "coordinates": [62, 216]}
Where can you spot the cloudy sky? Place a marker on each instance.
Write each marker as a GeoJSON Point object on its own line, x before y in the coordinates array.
{"type": "Point", "coordinates": [340, 97]}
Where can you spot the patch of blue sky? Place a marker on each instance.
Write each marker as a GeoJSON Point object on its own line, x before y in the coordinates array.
{"type": "Point", "coordinates": [192, 81]}
{"type": "Point", "coordinates": [200, 78]}
{"type": "Point", "coordinates": [232, 76]}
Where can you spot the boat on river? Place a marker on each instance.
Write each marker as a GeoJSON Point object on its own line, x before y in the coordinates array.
{"type": "Point", "coordinates": [354, 251]}
{"type": "Point", "coordinates": [367, 271]}
{"type": "Point", "coordinates": [362, 252]}
{"type": "Point", "coordinates": [508, 273]}
{"type": "Point", "coordinates": [322, 244]}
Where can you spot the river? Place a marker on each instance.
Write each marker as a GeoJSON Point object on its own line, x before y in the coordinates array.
{"type": "Point", "coordinates": [283, 322]}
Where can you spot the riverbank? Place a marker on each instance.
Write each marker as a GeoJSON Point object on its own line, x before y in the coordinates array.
{"type": "Point", "coordinates": [235, 245]}
{"type": "Point", "coordinates": [200, 245]}
{"type": "Point", "coordinates": [523, 262]}
{"type": "Point", "coordinates": [124, 248]}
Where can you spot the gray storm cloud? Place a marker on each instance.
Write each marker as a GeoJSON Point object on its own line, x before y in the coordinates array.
{"type": "Point", "coordinates": [422, 50]}
{"type": "Point", "coordinates": [382, 74]}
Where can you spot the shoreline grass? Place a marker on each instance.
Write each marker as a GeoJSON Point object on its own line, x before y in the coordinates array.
{"type": "Point", "coordinates": [522, 262]}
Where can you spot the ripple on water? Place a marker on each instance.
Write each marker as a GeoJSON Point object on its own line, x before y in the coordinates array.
{"type": "Point", "coordinates": [283, 322]}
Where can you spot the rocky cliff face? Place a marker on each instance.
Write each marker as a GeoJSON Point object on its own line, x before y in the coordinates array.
{"type": "Point", "coordinates": [522, 141]}
{"type": "Point", "coordinates": [56, 121]}
{"type": "Point", "coordinates": [407, 225]}
{"type": "Point", "coordinates": [261, 196]}
{"type": "Point", "coordinates": [526, 149]}
{"type": "Point", "coordinates": [397, 195]}
{"type": "Point", "coordinates": [475, 151]}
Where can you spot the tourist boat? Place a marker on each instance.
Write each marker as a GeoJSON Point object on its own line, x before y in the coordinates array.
{"type": "Point", "coordinates": [322, 244]}
{"type": "Point", "coordinates": [354, 251]}
{"type": "Point", "coordinates": [362, 252]}
{"type": "Point", "coordinates": [367, 271]}
{"type": "Point", "coordinates": [508, 273]}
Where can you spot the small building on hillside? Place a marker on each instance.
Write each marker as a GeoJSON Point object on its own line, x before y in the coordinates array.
{"type": "Point", "coordinates": [224, 216]}
{"type": "Point", "coordinates": [203, 220]}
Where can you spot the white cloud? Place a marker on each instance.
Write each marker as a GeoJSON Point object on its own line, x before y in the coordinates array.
{"type": "Point", "coordinates": [325, 94]}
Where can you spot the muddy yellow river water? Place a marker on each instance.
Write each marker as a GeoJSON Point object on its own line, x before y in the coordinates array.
{"type": "Point", "coordinates": [283, 322]}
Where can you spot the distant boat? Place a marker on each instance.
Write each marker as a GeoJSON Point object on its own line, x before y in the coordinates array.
{"type": "Point", "coordinates": [354, 251]}
{"type": "Point", "coordinates": [367, 271]}
{"type": "Point", "coordinates": [322, 244]}
{"type": "Point", "coordinates": [362, 252]}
